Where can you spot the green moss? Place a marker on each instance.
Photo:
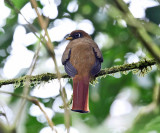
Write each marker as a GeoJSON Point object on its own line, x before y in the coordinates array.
{"type": "Point", "coordinates": [94, 81]}
{"type": "Point", "coordinates": [142, 67]}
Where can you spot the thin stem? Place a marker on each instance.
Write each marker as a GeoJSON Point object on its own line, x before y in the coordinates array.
{"type": "Point", "coordinates": [26, 86]}
{"type": "Point", "coordinates": [36, 102]}
{"type": "Point", "coordinates": [50, 48]}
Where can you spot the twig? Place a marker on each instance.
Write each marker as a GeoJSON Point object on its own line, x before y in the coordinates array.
{"type": "Point", "coordinates": [50, 76]}
{"type": "Point", "coordinates": [138, 29]}
{"type": "Point", "coordinates": [36, 102]}
{"type": "Point", "coordinates": [156, 92]}
{"type": "Point", "coordinates": [27, 79]}
{"type": "Point", "coordinates": [4, 114]}
{"type": "Point", "coordinates": [27, 85]}
{"type": "Point", "coordinates": [50, 49]}
{"type": "Point", "coordinates": [30, 26]}
{"type": "Point", "coordinates": [153, 107]}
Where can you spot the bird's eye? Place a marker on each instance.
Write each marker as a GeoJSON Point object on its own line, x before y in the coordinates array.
{"type": "Point", "coordinates": [77, 35]}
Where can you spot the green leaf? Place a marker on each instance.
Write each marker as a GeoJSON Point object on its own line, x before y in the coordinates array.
{"type": "Point", "coordinates": [32, 125]}
{"type": "Point", "coordinates": [58, 119]}
{"type": "Point", "coordinates": [153, 125]}
{"type": "Point", "coordinates": [146, 124]}
{"type": "Point", "coordinates": [19, 3]}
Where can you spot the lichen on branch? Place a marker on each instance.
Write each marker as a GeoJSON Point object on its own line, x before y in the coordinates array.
{"type": "Point", "coordinates": [141, 66]}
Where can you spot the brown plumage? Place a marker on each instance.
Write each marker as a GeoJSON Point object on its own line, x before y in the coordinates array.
{"type": "Point", "coordinates": [82, 60]}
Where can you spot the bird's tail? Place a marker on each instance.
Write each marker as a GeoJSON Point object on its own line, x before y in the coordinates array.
{"type": "Point", "coordinates": [80, 94]}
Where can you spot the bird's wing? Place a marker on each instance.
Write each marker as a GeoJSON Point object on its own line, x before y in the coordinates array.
{"type": "Point", "coordinates": [99, 59]}
{"type": "Point", "coordinates": [98, 53]}
{"type": "Point", "coordinates": [66, 55]}
{"type": "Point", "coordinates": [70, 70]}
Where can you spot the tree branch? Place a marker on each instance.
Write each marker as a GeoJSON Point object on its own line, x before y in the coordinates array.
{"type": "Point", "coordinates": [138, 29]}
{"type": "Point", "coordinates": [141, 65]}
{"type": "Point", "coordinates": [36, 102]}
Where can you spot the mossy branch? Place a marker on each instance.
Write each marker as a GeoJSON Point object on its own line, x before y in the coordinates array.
{"type": "Point", "coordinates": [141, 65]}
{"type": "Point", "coordinates": [126, 67]}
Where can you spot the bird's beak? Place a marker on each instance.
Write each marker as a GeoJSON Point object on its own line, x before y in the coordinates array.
{"type": "Point", "coordinates": [69, 38]}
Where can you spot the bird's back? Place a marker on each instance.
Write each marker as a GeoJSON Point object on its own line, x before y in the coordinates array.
{"type": "Point", "coordinates": [82, 57]}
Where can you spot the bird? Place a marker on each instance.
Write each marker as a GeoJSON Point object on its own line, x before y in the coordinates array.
{"type": "Point", "coordinates": [82, 61]}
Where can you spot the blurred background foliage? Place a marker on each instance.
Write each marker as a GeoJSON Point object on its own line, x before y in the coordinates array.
{"type": "Point", "coordinates": [122, 102]}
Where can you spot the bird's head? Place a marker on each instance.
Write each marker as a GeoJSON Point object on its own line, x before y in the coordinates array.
{"type": "Point", "coordinates": [77, 34]}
